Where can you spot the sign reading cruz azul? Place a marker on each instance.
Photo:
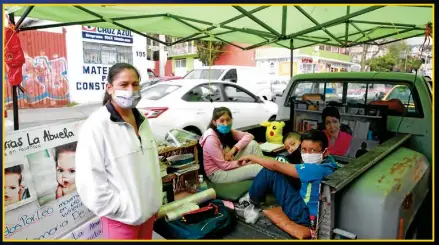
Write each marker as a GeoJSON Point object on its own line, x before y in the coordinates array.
{"type": "Point", "coordinates": [107, 34]}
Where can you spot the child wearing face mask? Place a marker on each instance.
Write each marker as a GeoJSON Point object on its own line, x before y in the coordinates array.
{"type": "Point", "coordinates": [276, 178]}
{"type": "Point", "coordinates": [222, 147]}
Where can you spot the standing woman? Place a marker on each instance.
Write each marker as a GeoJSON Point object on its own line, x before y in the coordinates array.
{"type": "Point", "coordinates": [117, 165]}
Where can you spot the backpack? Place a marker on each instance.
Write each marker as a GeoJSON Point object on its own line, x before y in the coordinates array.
{"type": "Point", "coordinates": [211, 228]}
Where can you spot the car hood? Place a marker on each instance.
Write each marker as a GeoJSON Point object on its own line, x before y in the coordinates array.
{"type": "Point", "coordinates": [271, 106]}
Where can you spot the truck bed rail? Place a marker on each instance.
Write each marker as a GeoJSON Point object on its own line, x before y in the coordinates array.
{"type": "Point", "coordinates": [356, 167]}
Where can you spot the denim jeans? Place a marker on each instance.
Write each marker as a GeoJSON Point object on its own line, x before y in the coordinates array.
{"type": "Point", "coordinates": [285, 193]}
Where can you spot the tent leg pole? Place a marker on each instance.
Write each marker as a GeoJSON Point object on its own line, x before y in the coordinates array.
{"type": "Point", "coordinates": [291, 57]}
{"type": "Point", "coordinates": [14, 89]}
{"type": "Point", "coordinates": [291, 100]}
{"type": "Point", "coordinates": [15, 106]}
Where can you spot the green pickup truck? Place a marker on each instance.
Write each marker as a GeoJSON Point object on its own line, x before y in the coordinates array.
{"type": "Point", "coordinates": [385, 193]}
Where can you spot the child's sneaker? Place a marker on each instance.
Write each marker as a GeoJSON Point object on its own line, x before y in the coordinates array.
{"type": "Point", "coordinates": [252, 214]}
{"type": "Point", "coordinates": [245, 200]}
{"type": "Point", "coordinates": [248, 209]}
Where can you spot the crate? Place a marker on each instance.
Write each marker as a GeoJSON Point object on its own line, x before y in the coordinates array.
{"type": "Point", "coordinates": [179, 182]}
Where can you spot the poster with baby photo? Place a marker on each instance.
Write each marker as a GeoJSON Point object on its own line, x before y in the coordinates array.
{"type": "Point", "coordinates": [18, 189]}
{"type": "Point", "coordinates": [360, 147]}
{"type": "Point", "coordinates": [53, 172]}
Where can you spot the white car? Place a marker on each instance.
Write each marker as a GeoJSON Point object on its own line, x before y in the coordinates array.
{"type": "Point", "coordinates": [188, 104]}
{"type": "Point", "coordinates": [279, 84]}
{"type": "Point", "coordinates": [248, 77]}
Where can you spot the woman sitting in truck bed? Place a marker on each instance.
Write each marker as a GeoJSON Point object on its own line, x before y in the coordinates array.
{"type": "Point", "coordinates": [338, 141]}
{"type": "Point", "coordinates": [222, 147]}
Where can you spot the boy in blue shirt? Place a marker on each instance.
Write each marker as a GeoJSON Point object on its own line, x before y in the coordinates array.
{"type": "Point", "coordinates": [298, 205]}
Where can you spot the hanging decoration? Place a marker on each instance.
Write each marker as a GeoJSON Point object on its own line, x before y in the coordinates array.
{"type": "Point", "coordinates": [14, 55]}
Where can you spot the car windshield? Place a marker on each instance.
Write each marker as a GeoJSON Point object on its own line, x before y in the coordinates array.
{"type": "Point", "coordinates": [159, 91]}
{"type": "Point", "coordinates": [402, 93]}
{"type": "Point", "coordinates": [215, 74]}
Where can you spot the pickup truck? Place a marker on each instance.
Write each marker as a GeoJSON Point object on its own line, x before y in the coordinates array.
{"type": "Point", "coordinates": [383, 194]}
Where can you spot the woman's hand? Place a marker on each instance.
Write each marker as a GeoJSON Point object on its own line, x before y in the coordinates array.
{"type": "Point", "coordinates": [230, 155]}
{"type": "Point", "coordinates": [245, 160]}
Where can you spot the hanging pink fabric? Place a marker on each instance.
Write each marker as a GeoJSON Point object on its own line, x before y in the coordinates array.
{"type": "Point", "coordinates": [14, 55]}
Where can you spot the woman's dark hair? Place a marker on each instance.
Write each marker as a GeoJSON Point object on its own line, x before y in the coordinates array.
{"type": "Point", "coordinates": [316, 135]}
{"type": "Point", "coordinates": [330, 112]}
{"type": "Point", "coordinates": [70, 147]}
{"type": "Point", "coordinates": [226, 139]}
{"type": "Point", "coordinates": [114, 71]}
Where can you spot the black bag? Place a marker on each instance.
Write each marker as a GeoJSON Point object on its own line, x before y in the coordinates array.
{"type": "Point", "coordinates": [212, 227]}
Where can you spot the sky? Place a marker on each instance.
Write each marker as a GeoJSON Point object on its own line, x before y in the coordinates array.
{"type": "Point", "coordinates": [415, 41]}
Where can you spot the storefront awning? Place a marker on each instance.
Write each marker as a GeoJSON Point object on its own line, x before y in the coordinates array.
{"type": "Point", "coordinates": [342, 26]}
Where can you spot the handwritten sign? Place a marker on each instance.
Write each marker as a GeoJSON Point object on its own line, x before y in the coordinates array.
{"type": "Point", "coordinates": [32, 222]}
{"type": "Point", "coordinates": [88, 231]}
{"type": "Point", "coordinates": [38, 215]}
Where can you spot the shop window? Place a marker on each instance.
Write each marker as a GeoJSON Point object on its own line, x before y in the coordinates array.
{"type": "Point", "coordinates": [180, 63]}
{"type": "Point", "coordinates": [335, 49]}
{"type": "Point", "coordinates": [106, 54]}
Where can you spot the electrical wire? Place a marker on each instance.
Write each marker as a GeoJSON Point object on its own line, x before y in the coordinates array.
{"type": "Point", "coordinates": [408, 102]}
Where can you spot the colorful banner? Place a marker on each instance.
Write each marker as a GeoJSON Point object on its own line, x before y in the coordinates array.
{"type": "Point", "coordinates": [40, 192]}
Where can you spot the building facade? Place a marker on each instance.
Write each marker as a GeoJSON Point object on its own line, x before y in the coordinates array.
{"type": "Point", "coordinates": [45, 71]}
{"type": "Point", "coordinates": [184, 57]}
{"type": "Point", "coordinates": [276, 61]}
{"type": "Point", "coordinates": [91, 51]}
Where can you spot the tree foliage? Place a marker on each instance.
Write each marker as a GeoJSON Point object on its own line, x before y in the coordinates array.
{"type": "Point", "coordinates": [383, 63]}
{"type": "Point", "coordinates": [208, 51]}
{"type": "Point", "coordinates": [398, 58]}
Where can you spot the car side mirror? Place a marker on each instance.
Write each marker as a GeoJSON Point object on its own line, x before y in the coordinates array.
{"type": "Point", "coordinates": [260, 99]}
{"type": "Point", "coordinates": [230, 80]}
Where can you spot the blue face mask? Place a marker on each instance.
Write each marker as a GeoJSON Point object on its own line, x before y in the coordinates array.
{"type": "Point", "coordinates": [224, 129]}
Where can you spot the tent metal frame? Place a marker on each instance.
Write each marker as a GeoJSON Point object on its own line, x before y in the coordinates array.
{"type": "Point", "coordinates": [270, 36]}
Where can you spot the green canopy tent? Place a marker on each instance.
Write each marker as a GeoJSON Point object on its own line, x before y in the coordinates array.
{"type": "Point", "coordinates": [291, 26]}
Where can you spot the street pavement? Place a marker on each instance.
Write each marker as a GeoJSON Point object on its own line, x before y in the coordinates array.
{"type": "Point", "coordinates": [29, 118]}
{"type": "Point", "coordinates": [46, 116]}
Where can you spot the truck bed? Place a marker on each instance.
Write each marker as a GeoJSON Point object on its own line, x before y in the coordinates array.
{"type": "Point", "coordinates": [264, 229]}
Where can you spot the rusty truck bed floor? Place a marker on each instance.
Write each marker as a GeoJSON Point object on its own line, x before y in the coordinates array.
{"type": "Point", "coordinates": [264, 229]}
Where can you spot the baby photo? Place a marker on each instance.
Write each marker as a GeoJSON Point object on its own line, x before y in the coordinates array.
{"type": "Point", "coordinates": [65, 169]}
{"type": "Point", "coordinates": [53, 172]}
{"type": "Point", "coordinates": [17, 191]}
